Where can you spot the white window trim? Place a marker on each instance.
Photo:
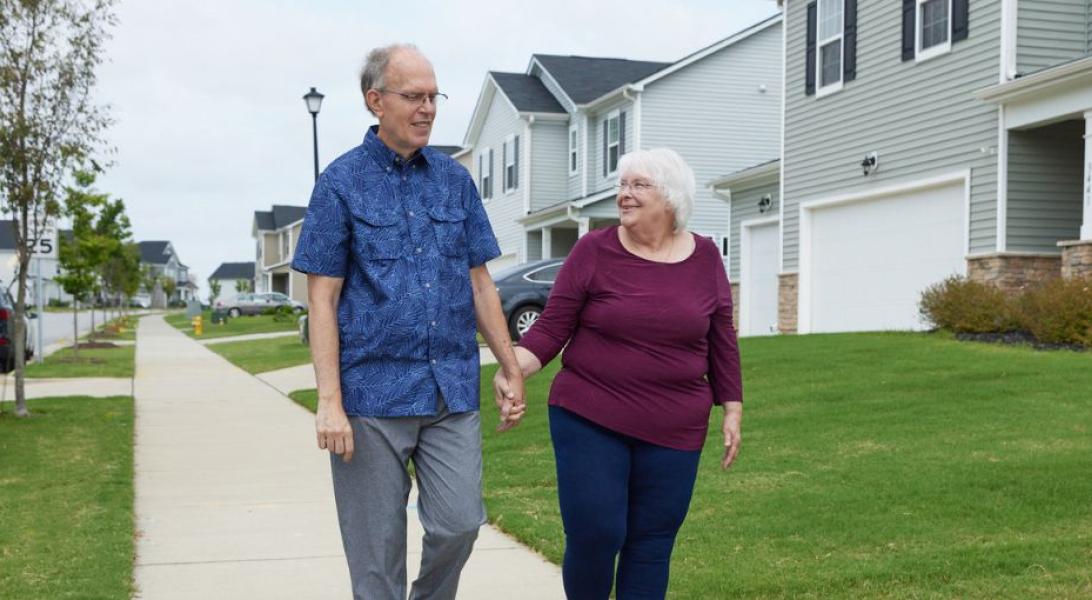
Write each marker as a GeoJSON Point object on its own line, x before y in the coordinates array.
{"type": "Point", "coordinates": [485, 172]}
{"type": "Point", "coordinates": [614, 114]}
{"type": "Point", "coordinates": [509, 153]}
{"type": "Point", "coordinates": [920, 54]}
{"type": "Point", "coordinates": [574, 146]}
{"type": "Point", "coordinates": [820, 89]}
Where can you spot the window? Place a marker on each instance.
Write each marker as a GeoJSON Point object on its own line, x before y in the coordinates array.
{"type": "Point", "coordinates": [830, 21]}
{"type": "Point", "coordinates": [485, 174]}
{"type": "Point", "coordinates": [511, 163]}
{"type": "Point", "coordinates": [934, 28]}
{"type": "Point", "coordinates": [573, 136]}
{"type": "Point", "coordinates": [284, 245]}
{"type": "Point", "coordinates": [545, 275]}
{"type": "Point", "coordinates": [614, 136]}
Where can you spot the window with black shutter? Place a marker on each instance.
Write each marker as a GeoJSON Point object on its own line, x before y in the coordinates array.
{"type": "Point", "coordinates": [929, 27]}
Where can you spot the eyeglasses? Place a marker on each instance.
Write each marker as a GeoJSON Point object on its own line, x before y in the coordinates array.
{"type": "Point", "coordinates": [418, 97]}
{"type": "Point", "coordinates": [635, 186]}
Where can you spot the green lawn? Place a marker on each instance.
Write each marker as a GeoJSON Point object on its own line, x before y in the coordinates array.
{"type": "Point", "coordinates": [872, 465]}
{"type": "Point", "coordinates": [120, 328]}
{"type": "Point", "coordinates": [66, 496]}
{"type": "Point", "coordinates": [92, 362]}
{"type": "Point", "coordinates": [305, 398]}
{"type": "Point", "coordinates": [259, 356]}
{"type": "Point", "coordinates": [240, 326]}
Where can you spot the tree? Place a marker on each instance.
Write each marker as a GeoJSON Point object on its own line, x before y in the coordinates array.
{"type": "Point", "coordinates": [169, 287]}
{"type": "Point", "coordinates": [214, 290]}
{"type": "Point", "coordinates": [112, 226]}
{"type": "Point", "coordinates": [242, 286]}
{"type": "Point", "coordinates": [81, 255]}
{"type": "Point", "coordinates": [49, 123]}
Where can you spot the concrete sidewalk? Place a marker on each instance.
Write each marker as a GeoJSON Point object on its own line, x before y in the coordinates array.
{"type": "Point", "coordinates": [248, 337]}
{"type": "Point", "coordinates": [233, 500]}
{"type": "Point", "coordinates": [98, 387]}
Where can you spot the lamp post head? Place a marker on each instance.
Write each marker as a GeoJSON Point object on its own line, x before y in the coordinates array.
{"type": "Point", "coordinates": [313, 100]}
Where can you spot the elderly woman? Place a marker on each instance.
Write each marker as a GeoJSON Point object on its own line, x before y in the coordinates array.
{"type": "Point", "coordinates": [645, 309]}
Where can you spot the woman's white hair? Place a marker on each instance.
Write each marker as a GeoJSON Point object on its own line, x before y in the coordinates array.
{"type": "Point", "coordinates": [669, 173]}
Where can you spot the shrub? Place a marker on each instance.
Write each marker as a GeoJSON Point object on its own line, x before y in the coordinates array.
{"type": "Point", "coordinates": [1059, 311]}
{"type": "Point", "coordinates": [58, 303]}
{"type": "Point", "coordinates": [281, 314]}
{"type": "Point", "coordinates": [964, 306]}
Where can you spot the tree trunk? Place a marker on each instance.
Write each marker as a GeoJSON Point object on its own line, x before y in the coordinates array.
{"type": "Point", "coordinates": [75, 330]}
{"type": "Point", "coordinates": [91, 336]}
{"type": "Point", "coordinates": [21, 335]}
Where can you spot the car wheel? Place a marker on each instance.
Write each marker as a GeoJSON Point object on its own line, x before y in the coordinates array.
{"type": "Point", "coordinates": [234, 313]}
{"type": "Point", "coordinates": [522, 320]}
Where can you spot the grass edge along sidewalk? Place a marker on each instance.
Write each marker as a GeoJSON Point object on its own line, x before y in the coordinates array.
{"type": "Point", "coordinates": [872, 465]}
{"type": "Point", "coordinates": [235, 326]}
{"type": "Point", "coordinates": [67, 499]}
{"type": "Point", "coordinates": [118, 361]}
{"type": "Point", "coordinates": [260, 356]}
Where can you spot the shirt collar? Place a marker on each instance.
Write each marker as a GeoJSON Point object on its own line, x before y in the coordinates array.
{"type": "Point", "coordinates": [384, 155]}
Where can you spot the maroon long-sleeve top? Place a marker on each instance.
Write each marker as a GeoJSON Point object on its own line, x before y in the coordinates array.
{"type": "Point", "coordinates": [651, 346]}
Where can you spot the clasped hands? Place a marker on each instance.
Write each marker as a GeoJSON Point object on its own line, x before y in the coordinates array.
{"type": "Point", "coordinates": [508, 390]}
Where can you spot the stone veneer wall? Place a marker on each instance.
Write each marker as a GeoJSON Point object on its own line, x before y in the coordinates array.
{"type": "Point", "coordinates": [1013, 272]}
{"type": "Point", "coordinates": [787, 295]}
{"type": "Point", "coordinates": [1077, 258]}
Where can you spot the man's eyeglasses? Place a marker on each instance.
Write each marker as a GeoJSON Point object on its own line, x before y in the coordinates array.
{"type": "Point", "coordinates": [418, 97]}
{"type": "Point", "coordinates": [634, 186]}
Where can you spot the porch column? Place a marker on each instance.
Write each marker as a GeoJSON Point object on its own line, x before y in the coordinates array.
{"type": "Point", "coordinates": [1086, 223]}
{"type": "Point", "coordinates": [547, 242]}
{"type": "Point", "coordinates": [584, 224]}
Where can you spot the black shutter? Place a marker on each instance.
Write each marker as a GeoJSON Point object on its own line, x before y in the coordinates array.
{"type": "Point", "coordinates": [606, 126]}
{"type": "Point", "coordinates": [621, 134]}
{"type": "Point", "coordinates": [909, 15]}
{"type": "Point", "coordinates": [504, 166]}
{"type": "Point", "coordinates": [515, 160]}
{"type": "Point", "coordinates": [960, 14]}
{"type": "Point", "coordinates": [849, 41]}
{"type": "Point", "coordinates": [481, 176]}
{"type": "Point", "coordinates": [490, 173]}
{"type": "Point", "coordinates": [809, 54]}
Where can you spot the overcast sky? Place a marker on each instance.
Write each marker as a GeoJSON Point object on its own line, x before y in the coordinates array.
{"type": "Point", "coordinates": [210, 124]}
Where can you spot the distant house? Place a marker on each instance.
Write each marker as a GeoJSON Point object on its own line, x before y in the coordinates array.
{"type": "Point", "coordinates": [546, 142]}
{"type": "Point", "coordinates": [460, 154]}
{"type": "Point", "coordinates": [275, 234]}
{"type": "Point", "coordinates": [160, 260]}
{"type": "Point", "coordinates": [9, 264]}
{"type": "Point", "coordinates": [229, 274]}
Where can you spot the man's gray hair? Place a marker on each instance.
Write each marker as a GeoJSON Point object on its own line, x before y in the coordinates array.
{"type": "Point", "coordinates": [374, 72]}
{"type": "Point", "coordinates": [669, 173]}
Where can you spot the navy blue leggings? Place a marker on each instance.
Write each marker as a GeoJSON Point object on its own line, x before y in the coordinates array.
{"type": "Point", "coordinates": [620, 498]}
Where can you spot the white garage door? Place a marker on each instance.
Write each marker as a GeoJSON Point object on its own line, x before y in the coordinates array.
{"type": "Point", "coordinates": [870, 260]}
{"type": "Point", "coordinates": [758, 281]}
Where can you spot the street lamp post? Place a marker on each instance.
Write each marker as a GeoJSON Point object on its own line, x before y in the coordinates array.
{"type": "Point", "coordinates": [314, 103]}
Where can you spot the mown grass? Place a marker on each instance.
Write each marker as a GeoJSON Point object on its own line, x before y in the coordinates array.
{"type": "Point", "coordinates": [872, 465]}
{"type": "Point", "coordinates": [241, 326]}
{"type": "Point", "coordinates": [259, 356]}
{"type": "Point", "coordinates": [89, 362]}
{"type": "Point", "coordinates": [66, 499]}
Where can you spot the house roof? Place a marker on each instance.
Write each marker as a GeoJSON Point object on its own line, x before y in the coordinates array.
{"type": "Point", "coordinates": [154, 252]}
{"type": "Point", "coordinates": [585, 78]}
{"type": "Point", "coordinates": [7, 234]}
{"type": "Point", "coordinates": [526, 92]}
{"type": "Point", "coordinates": [234, 270]}
{"type": "Point", "coordinates": [762, 172]}
{"type": "Point", "coordinates": [448, 150]}
{"type": "Point", "coordinates": [282, 215]}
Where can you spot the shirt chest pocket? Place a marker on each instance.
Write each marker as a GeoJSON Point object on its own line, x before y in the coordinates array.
{"type": "Point", "coordinates": [379, 235]}
{"type": "Point", "coordinates": [449, 224]}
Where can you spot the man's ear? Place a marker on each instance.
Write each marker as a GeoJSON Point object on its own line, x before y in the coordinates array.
{"type": "Point", "coordinates": [374, 101]}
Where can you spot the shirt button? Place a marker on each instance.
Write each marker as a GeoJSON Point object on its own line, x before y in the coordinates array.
{"type": "Point", "coordinates": [417, 250]}
{"type": "Point", "coordinates": [434, 361]}
{"type": "Point", "coordinates": [388, 169]}
{"type": "Point", "coordinates": [411, 213]}
{"type": "Point", "coordinates": [428, 285]}
{"type": "Point", "coordinates": [433, 323]}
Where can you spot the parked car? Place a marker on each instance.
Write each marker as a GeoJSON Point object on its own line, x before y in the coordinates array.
{"type": "Point", "coordinates": [256, 304]}
{"type": "Point", "coordinates": [7, 333]}
{"type": "Point", "coordinates": [140, 301]}
{"type": "Point", "coordinates": [523, 292]}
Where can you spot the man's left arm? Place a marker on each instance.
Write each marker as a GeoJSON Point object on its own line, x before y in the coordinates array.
{"type": "Point", "coordinates": [491, 324]}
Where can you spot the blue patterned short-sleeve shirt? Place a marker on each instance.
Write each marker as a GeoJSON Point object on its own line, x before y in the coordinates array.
{"type": "Point", "coordinates": [404, 236]}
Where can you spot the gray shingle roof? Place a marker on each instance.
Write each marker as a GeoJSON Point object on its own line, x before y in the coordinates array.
{"type": "Point", "coordinates": [585, 78]}
{"type": "Point", "coordinates": [154, 253]}
{"type": "Point", "coordinates": [280, 216]}
{"type": "Point", "coordinates": [235, 270]}
{"type": "Point", "coordinates": [527, 92]}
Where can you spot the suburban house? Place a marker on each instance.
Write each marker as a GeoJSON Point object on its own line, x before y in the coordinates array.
{"type": "Point", "coordinates": [545, 143]}
{"type": "Point", "coordinates": [159, 260]}
{"type": "Point", "coordinates": [275, 234]}
{"type": "Point", "coordinates": [460, 154]}
{"type": "Point", "coordinates": [46, 266]}
{"type": "Point", "coordinates": [228, 275]}
{"type": "Point", "coordinates": [921, 140]}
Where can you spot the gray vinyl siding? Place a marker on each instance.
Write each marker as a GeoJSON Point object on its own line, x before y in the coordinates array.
{"type": "Point", "coordinates": [596, 181]}
{"type": "Point", "coordinates": [921, 118]}
{"type": "Point", "coordinates": [745, 208]}
{"type": "Point", "coordinates": [562, 241]}
{"type": "Point", "coordinates": [714, 115]}
{"type": "Point", "coordinates": [549, 152]}
{"type": "Point", "coordinates": [504, 208]}
{"type": "Point", "coordinates": [1044, 192]}
{"type": "Point", "coordinates": [1050, 32]}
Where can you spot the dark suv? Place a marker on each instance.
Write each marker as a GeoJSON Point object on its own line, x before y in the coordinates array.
{"type": "Point", "coordinates": [523, 292]}
{"type": "Point", "coordinates": [7, 333]}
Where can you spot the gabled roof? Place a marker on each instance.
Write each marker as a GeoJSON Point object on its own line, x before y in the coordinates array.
{"type": "Point", "coordinates": [527, 93]}
{"type": "Point", "coordinates": [234, 270]}
{"type": "Point", "coordinates": [585, 78]}
{"type": "Point", "coordinates": [282, 215]}
{"type": "Point", "coordinates": [154, 252]}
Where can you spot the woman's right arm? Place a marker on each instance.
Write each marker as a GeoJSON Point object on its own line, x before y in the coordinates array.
{"type": "Point", "coordinates": [555, 327]}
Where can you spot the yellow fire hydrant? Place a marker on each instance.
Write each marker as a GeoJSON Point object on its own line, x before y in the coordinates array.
{"type": "Point", "coordinates": [197, 329]}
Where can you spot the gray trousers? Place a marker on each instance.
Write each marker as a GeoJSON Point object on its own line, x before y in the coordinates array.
{"type": "Point", "coordinates": [372, 490]}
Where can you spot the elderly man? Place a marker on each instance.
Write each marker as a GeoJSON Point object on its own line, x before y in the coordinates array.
{"type": "Point", "coordinates": [394, 246]}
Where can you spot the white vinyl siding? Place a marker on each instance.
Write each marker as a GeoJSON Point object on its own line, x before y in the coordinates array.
{"type": "Point", "coordinates": [745, 207]}
{"type": "Point", "coordinates": [1051, 32]}
{"type": "Point", "coordinates": [548, 163]}
{"type": "Point", "coordinates": [920, 118]}
{"type": "Point", "coordinates": [500, 123]}
{"type": "Point", "coordinates": [831, 21]}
